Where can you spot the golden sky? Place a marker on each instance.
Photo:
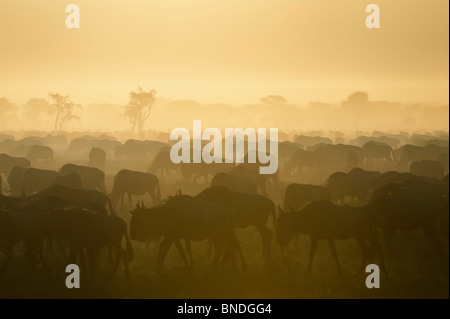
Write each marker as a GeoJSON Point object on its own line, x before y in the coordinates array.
{"type": "Point", "coordinates": [233, 51]}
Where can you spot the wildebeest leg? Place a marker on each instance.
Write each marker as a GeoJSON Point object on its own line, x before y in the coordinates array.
{"type": "Point", "coordinates": [237, 245]}
{"type": "Point", "coordinates": [334, 253]}
{"type": "Point", "coordinates": [163, 249]}
{"type": "Point", "coordinates": [92, 257]}
{"type": "Point", "coordinates": [266, 236]}
{"type": "Point", "coordinates": [311, 253]}
{"type": "Point", "coordinates": [187, 244]}
{"type": "Point", "coordinates": [129, 199]}
{"type": "Point", "coordinates": [121, 254]}
{"type": "Point", "coordinates": [111, 254]}
{"type": "Point", "coordinates": [364, 250]}
{"type": "Point", "coordinates": [153, 196]}
{"type": "Point", "coordinates": [83, 261]}
{"type": "Point", "coordinates": [181, 252]}
{"type": "Point", "coordinates": [218, 249]}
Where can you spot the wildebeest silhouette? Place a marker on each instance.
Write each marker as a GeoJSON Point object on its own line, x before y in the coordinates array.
{"type": "Point", "coordinates": [236, 183]}
{"type": "Point", "coordinates": [8, 162]}
{"type": "Point", "coordinates": [135, 183]}
{"type": "Point", "coordinates": [396, 213]}
{"type": "Point", "coordinates": [185, 218]}
{"type": "Point", "coordinates": [97, 158]}
{"type": "Point", "coordinates": [393, 142]}
{"type": "Point", "coordinates": [91, 177]}
{"type": "Point", "coordinates": [355, 184]}
{"type": "Point", "coordinates": [297, 195]}
{"type": "Point", "coordinates": [376, 150]}
{"type": "Point", "coordinates": [85, 143]}
{"type": "Point", "coordinates": [243, 172]}
{"type": "Point", "coordinates": [35, 180]}
{"type": "Point", "coordinates": [162, 162]}
{"type": "Point", "coordinates": [301, 159]}
{"type": "Point", "coordinates": [337, 155]}
{"type": "Point", "coordinates": [311, 140]}
{"type": "Point", "coordinates": [17, 226]}
{"type": "Point", "coordinates": [427, 168]}
{"type": "Point", "coordinates": [411, 153]}
{"type": "Point", "coordinates": [72, 180]}
{"type": "Point", "coordinates": [78, 195]}
{"type": "Point", "coordinates": [286, 149]}
{"type": "Point", "coordinates": [135, 148]}
{"type": "Point", "coordinates": [15, 181]}
{"type": "Point", "coordinates": [56, 141]}
{"type": "Point", "coordinates": [325, 220]}
{"type": "Point", "coordinates": [83, 230]}
{"type": "Point", "coordinates": [246, 210]}
{"type": "Point", "coordinates": [39, 153]}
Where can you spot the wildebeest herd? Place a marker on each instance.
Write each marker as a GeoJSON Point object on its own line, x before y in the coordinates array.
{"type": "Point", "coordinates": [63, 202]}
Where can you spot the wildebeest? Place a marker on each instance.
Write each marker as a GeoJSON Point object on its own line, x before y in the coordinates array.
{"type": "Point", "coordinates": [162, 162]}
{"type": "Point", "coordinates": [324, 220]}
{"type": "Point", "coordinates": [135, 183]}
{"type": "Point", "coordinates": [312, 140]}
{"type": "Point", "coordinates": [35, 180]}
{"type": "Point", "coordinates": [17, 226]}
{"type": "Point", "coordinates": [396, 213]}
{"type": "Point", "coordinates": [56, 141]}
{"type": "Point", "coordinates": [252, 175]}
{"type": "Point", "coordinates": [297, 195]}
{"type": "Point", "coordinates": [78, 195]}
{"type": "Point", "coordinates": [72, 180]}
{"type": "Point", "coordinates": [40, 153]}
{"type": "Point", "coordinates": [83, 230]}
{"type": "Point", "coordinates": [236, 183]}
{"type": "Point", "coordinates": [355, 184]}
{"type": "Point", "coordinates": [97, 158]}
{"type": "Point", "coordinates": [135, 148]}
{"type": "Point", "coordinates": [337, 155]}
{"type": "Point", "coordinates": [86, 142]}
{"type": "Point", "coordinates": [247, 210]}
{"type": "Point", "coordinates": [8, 162]}
{"type": "Point", "coordinates": [189, 219]}
{"type": "Point", "coordinates": [376, 150]}
{"type": "Point", "coordinates": [91, 177]}
{"type": "Point", "coordinates": [15, 181]}
{"type": "Point", "coordinates": [410, 153]}
{"type": "Point", "coordinates": [302, 158]}
{"type": "Point", "coordinates": [427, 168]}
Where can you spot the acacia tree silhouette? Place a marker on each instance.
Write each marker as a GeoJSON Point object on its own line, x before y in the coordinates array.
{"type": "Point", "coordinates": [139, 108]}
{"type": "Point", "coordinates": [63, 107]}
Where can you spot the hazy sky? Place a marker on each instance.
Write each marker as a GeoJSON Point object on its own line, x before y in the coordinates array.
{"type": "Point", "coordinates": [234, 51]}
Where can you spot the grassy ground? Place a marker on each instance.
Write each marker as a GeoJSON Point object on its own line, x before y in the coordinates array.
{"type": "Point", "coordinates": [415, 272]}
